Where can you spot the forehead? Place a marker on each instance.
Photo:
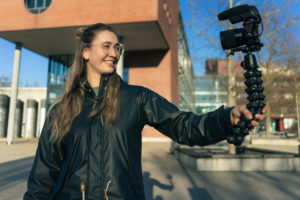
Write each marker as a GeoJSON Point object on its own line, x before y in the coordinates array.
{"type": "Point", "coordinates": [106, 36]}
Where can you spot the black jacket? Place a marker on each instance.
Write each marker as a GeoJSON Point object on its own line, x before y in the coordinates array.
{"type": "Point", "coordinates": [110, 158]}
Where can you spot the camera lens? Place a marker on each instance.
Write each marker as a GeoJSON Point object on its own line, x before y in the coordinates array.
{"type": "Point", "coordinates": [232, 38]}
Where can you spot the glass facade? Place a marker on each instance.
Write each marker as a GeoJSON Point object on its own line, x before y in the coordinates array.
{"type": "Point", "coordinates": [186, 73]}
{"type": "Point", "coordinates": [36, 6]}
{"type": "Point", "coordinates": [125, 77]}
{"type": "Point", "coordinates": [210, 92]}
{"type": "Point", "coordinates": [58, 71]}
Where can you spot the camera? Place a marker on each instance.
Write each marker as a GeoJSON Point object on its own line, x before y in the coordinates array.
{"type": "Point", "coordinates": [241, 39]}
{"type": "Point", "coordinates": [245, 39]}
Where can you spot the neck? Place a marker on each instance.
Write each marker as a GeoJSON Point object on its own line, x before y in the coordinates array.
{"type": "Point", "coordinates": [94, 79]}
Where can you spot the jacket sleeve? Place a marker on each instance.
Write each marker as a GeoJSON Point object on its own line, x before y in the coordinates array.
{"type": "Point", "coordinates": [46, 167]}
{"type": "Point", "coordinates": [185, 127]}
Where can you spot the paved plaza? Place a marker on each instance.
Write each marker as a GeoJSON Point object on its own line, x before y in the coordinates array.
{"type": "Point", "coordinates": [165, 178]}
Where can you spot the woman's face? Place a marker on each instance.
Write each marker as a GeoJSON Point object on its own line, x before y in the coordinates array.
{"type": "Point", "coordinates": [102, 54]}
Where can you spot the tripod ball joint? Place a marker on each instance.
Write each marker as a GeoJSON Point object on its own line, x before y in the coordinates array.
{"type": "Point", "coordinates": [255, 98]}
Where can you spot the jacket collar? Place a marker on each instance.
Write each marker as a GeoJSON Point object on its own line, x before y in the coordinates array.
{"type": "Point", "coordinates": [102, 86]}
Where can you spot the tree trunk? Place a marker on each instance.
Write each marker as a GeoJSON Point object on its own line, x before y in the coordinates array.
{"type": "Point", "coordinates": [230, 100]}
{"type": "Point", "coordinates": [268, 98]}
{"type": "Point", "coordinates": [268, 119]}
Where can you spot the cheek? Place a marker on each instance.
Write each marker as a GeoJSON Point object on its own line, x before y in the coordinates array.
{"type": "Point", "coordinates": [97, 57]}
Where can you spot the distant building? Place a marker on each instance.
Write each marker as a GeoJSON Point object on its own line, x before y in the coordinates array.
{"type": "Point", "coordinates": [31, 93]}
{"type": "Point", "coordinates": [283, 82]}
{"type": "Point", "coordinates": [210, 92]}
{"type": "Point", "coordinates": [216, 66]}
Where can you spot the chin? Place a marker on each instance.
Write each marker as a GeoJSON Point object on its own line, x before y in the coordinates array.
{"type": "Point", "coordinates": [109, 71]}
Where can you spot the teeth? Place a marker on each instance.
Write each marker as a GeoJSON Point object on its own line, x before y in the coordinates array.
{"type": "Point", "coordinates": [110, 62]}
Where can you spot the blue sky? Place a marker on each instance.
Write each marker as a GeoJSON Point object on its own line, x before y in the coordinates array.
{"type": "Point", "coordinates": [33, 69]}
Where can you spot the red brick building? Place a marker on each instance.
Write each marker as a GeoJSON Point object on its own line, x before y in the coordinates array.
{"type": "Point", "coordinates": [283, 82]}
{"type": "Point", "coordinates": [148, 29]}
{"type": "Point", "coordinates": [219, 66]}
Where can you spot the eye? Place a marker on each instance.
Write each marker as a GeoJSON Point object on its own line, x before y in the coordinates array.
{"type": "Point", "coordinates": [106, 46]}
{"type": "Point", "coordinates": [118, 48]}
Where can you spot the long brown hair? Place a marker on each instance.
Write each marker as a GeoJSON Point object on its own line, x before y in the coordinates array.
{"type": "Point", "coordinates": [69, 103]}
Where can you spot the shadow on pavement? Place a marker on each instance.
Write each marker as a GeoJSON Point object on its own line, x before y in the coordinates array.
{"type": "Point", "coordinates": [149, 184]}
{"type": "Point", "coordinates": [195, 192]}
{"type": "Point", "coordinates": [14, 172]}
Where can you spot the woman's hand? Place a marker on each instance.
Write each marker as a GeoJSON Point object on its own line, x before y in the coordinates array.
{"type": "Point", "coordinates": [237, 111]}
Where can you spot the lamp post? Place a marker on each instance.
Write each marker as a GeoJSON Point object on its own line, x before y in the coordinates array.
{"type": "Point", "coordinates": [298, 115]}
{"type": "Point", "coordinates": [298, 121]}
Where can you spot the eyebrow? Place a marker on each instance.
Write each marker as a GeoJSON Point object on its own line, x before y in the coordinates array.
{"type": "Point", "coordinates": [110, 43]}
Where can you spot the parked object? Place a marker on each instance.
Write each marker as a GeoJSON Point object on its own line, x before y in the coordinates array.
{"type": "Point", "coordinates": [31, 118]}
{"type": "Point", "coordinates": [4, 109]}
{"type": "Point", "coordinates": [18, 119]}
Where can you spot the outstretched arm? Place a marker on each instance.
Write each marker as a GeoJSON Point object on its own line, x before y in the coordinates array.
{"type": "Point", "coordinates": [185, 127]}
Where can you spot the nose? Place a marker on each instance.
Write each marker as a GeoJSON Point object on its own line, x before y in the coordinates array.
{"type": "Point", "coordinates": [113, 53]}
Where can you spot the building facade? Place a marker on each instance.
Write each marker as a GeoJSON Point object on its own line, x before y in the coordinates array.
{"type": "Point", "coordinates": [210, 93]}
{"type": "Point", "coordinates": [147, 28]}
{"type": "Point", "coordinates": [186, 72]}
{"type": "Point", "coordinates": [281, 85]}
{"type": "Point", "coordinates": [25, 94]}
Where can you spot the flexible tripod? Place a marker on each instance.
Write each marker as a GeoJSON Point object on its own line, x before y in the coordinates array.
{"type": "Point", "coordinates": [245, 39]}
{"type": "Point", "coordinates": [255, 97]}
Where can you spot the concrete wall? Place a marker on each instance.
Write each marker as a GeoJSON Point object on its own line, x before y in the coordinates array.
{"type": "Point", "coordinates": [24, 94]}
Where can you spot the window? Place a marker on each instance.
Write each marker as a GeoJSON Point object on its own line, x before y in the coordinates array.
{"type": "Point", "coordinates": [36, 6]}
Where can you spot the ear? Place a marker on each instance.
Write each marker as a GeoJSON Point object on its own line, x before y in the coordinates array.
{"type": "Point", "coordinates": [86, 53]}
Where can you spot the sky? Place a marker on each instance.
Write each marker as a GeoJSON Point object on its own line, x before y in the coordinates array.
{"type": "Point", "coordinates": [34, 67]}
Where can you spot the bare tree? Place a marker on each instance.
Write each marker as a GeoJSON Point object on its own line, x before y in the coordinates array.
{"type": "Point", "coordinates": [5, 81]}
{"type": "Point", "coordinates": [201, 25]}
{"type": "Point", "coordinates": [278, 32]}
{"type": "Point", "coordinates": [279, 21]}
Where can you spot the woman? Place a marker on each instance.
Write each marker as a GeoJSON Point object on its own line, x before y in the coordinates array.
{"type": "Point", "coordinates": [91, 142]}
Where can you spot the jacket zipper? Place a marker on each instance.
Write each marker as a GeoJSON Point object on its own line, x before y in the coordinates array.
{"type": "Point", "coordinates": [82, 189]}
{"type": "Point", "coordinates": [88, 158]}
{"type": "Point", "coordinates": [94, 105]}
{"type": "Point", "coordinates": [102, 155]}
{"type": "Point", "coordinates": [102, 143]}
{"type": "Point", "coordinates": [106, 190]}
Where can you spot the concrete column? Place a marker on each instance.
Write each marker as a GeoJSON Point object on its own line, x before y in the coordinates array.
{"type": "Point", "coordinates": [120, 64]}
{"type": "Point", "coordinates": [14, 93]}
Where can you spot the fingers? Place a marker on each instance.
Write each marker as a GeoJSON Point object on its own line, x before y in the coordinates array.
{"type": "Point", "coordinates": [246, 112]}
{"type": "Point", "coordinates": [264, 110]}
{"type": "Point", "coordinates": [261, 116]}
{"type": "Point", "coordinates": [235, 115]}
{"type": "Point", "coordinates": [254, 123]}
{"type": "Point", "coordinates": [238, 111]}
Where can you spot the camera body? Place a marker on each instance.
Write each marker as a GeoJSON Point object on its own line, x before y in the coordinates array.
{"type": "Point", "coordinates": [248, 35]}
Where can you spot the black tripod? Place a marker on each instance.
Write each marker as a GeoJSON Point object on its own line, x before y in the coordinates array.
{"type": "Point", "coordinates": [255, 97]}
{"type": "Point", "coordinates": [245, 39]}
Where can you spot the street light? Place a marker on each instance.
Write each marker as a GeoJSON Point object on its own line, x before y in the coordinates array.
{"type": "Point", "coordinates": [298, 121]}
